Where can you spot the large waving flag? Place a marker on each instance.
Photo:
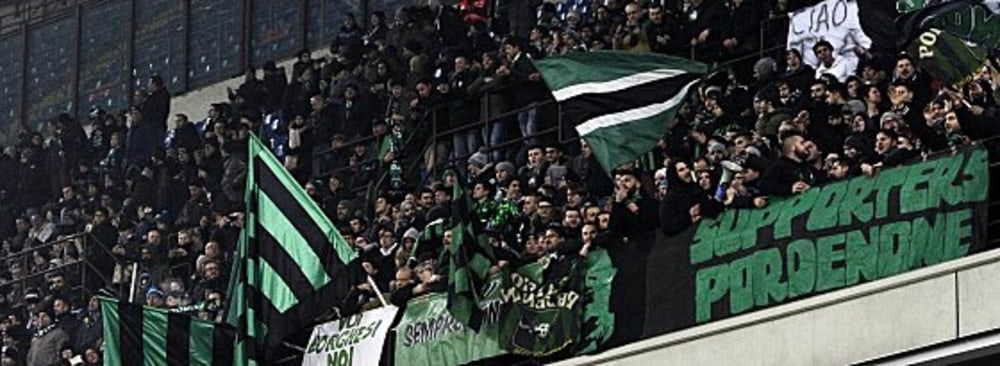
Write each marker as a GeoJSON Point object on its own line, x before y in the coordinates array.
{"type": "Point", "coordinates": [621, 102]}
{"type": "Point", "coordinates": [291, 265]}
{"type": "Point", "coordinates": [139, 335]}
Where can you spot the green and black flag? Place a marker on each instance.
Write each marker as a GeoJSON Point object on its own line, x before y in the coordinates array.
{"type": "Point", "coordinates": [139, 335]}
{"type": "Point", "coordinates": [620, 102]}
{"type": "Point", "coordinates": [946, 57]}
{"type": "Point", "coordinates": [950, 40]}
{"type": "Point", "coordinates": [471, 256]}
{"type": "Point", "coordinates": [291, 265]}
{"type": "Point", "coordinates": [542, 306]}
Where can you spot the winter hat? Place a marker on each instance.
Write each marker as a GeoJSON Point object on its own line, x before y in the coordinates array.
{"type": "Point", "coordinates": [411, 233]}
{"type": "Point", "coordinates": [888, 115]}
{"type": "Point", "coordinates": [716, 146]}
{"type": "Point", "coordinates": [507, 167]}
{"type": "Point", "coordinates": [856, 106]}
{"type": "Point", "coordinates": [765, 66]}
{"type": "Point", "coordinates": [479, 158]}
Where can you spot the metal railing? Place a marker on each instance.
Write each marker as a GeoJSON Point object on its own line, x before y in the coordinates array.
{"type": "Point", "coordinates": [767, 47]}
{"type": "Point", "coordinates": [82, 275]}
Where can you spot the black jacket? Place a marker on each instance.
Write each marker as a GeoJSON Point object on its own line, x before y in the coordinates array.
{"type": "Point", "coordinates": [675, 207]}
{"type": "Point", "coordinates": [156, 109]}
{"type": "Point", "coordinates": [627, 223]}
{"type": "Point", "coordinates": [527, 91]}
{"type": "Point", "coordinates": [778, 180]}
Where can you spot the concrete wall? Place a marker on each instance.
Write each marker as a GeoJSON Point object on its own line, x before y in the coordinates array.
{"type": "Point", "coordinates": [906, 312]}
{"type": "Point", "coordinates": [195, 103]}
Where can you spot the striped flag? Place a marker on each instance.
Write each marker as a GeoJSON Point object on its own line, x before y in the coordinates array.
{"type": "Point", "coordinates": [471, 256]}
{"type": "Point", "coordinates": [291, 265]}
{"type": "Point", "coordinates": [620, 102]}
{"type": "Point", "coordinates": [139, 335]}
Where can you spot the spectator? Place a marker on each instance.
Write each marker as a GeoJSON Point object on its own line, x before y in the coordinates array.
{"type": "Point", "coordinates": [840, 68]}
{"type": "Point", "coordinates": [462, 110]}
{"type": "Point", "coordinates": [143, 137]}
{"type": "Point", "coordinates": [156, 106]}
{"type": "Point", "coordinates": [63, 318]}
{"type": "Point", "coordinates": [798, 73]}
{"type": "Point", "coordinates": [791, 173]}
{"type": "Point", "coordinates": [521, 71]}
{"type": "Point", "coordinates": [633, 211]}
{"type": "Point", "coordinates": [47, 341]}
{"type": "Point", "coordinates": [184, 135]}
{"type": "Point", "coordinates": [327, 125]}
{"type": "Point", "coordinates": [90, 330]}
{"type": "Point", "coordinates": [663, 30]}
{"type": "Point", "coordinates": [42, 230]}
{"type": "Point", "coordinates": [378, 28]}
{"type": "Point", "coordinates": [210, 280]}
{"type": "Point", "coordinates": [275, 82]}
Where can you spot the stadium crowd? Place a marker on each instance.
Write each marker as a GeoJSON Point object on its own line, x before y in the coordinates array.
{"type": "Point", "coordinates": [160, 194]}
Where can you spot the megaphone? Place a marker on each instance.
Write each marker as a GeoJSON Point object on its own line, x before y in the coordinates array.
{"type": "Point", "coordinates": [729, 169]}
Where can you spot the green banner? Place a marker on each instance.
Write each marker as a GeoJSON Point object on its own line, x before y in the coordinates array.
{"type": "Point", "coordinates": [543, 306]}
{"type": "Point", "coordinates": [828, 238]}
{"type": "Point", "coordinates": [840, 235]}
{"type": "Point", "coordinates": [428, 335]}
{"type": "Point", "coordinates": [598, 322]}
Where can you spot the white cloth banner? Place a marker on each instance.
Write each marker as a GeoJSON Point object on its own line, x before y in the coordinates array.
{"type": "Point", "coordinates": [836, 21]}
{"type": "Point", "coordinates": [356, 340]}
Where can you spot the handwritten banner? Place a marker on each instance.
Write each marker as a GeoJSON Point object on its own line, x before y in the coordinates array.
{"type": "Point", "coordinates": [835, 21]}
{"type": "Point", "coordinates": [356, 340]}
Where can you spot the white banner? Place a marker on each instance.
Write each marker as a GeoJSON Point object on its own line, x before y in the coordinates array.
{"type": "Point", "coordinates": [356, 340]}
{"type": "Point", "coordinates": [836, 21]}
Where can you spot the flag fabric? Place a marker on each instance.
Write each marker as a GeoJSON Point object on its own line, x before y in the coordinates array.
{"type": "Point", "coordinates": [292, 263]}
{"type": "Point", "coordinates": [876, 19]}
{"type": "Point", "coordinates": [139, 335]}
{"type": "Point", "coordinates": [470, 256]}
{"type": "Point", "coordinates": [950, 40]}
{"type": "Point", "coordinates": [429, 242]}
{"type": "Point", "coordinates": [972, 21]}
{"type": "Point", "coordinates": [620, 102]}
{"type": "Point", "coordinates": [543, 306]}
{"type": "Point", "coordinates": [946, 57]}
{"type": "Point", "coordinates": [910, 25]}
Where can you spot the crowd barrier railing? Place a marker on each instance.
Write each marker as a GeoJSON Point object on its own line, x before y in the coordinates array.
{"type": "Point", "coordinates": [82, 274]}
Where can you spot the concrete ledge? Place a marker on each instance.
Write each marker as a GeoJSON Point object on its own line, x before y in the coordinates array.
{"type": "Point", "coordinates": [195, 103]}
{"type": "Point", "coordinates": [888, 316]}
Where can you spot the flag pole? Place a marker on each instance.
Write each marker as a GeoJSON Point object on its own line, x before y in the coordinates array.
{"type": "Point", "coordinates": [131, 292]}
{"type": "Point", "coordinates": [377, 291]}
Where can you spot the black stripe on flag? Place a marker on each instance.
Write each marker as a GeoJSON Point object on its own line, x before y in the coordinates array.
{"type": "Point", "coordinates": [309, 229]}
{"type": "Point", "coordinates": [270, 250]}
{"type": "Point", "coordinates": [130, 325]}
{"type": "Point", "coordinates": [222, 346]}
{"type": "Point", "coordinates": [178, 339]}
{"type": "Point", "coordinates": [587, 106]}
{"type": "Point", "coordinates": [277, 326]}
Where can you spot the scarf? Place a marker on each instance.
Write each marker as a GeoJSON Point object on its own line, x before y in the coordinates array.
{"type": "Point", "coordinates": [42, 332]}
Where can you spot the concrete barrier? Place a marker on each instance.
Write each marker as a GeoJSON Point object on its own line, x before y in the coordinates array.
{"type": "Point", "coordinates": [913, 310]}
